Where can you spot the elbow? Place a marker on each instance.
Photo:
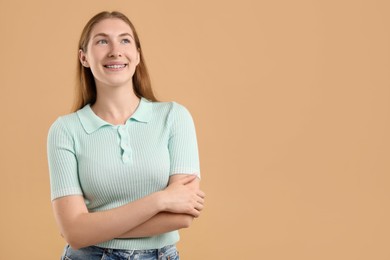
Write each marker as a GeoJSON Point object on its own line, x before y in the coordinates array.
{"type": "Point", "coordinates": [186, 221]}
{"type": "Point", "coordinates": [74, 247]}
{"type": "Point", "coordinates": [75, 242]}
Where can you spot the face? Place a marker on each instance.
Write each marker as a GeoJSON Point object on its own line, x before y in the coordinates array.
{"type": "Point", "coordinates": [111, 54]}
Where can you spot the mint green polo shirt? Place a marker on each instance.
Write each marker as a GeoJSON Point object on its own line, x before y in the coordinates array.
{"type": "Point", "coordinates": [111, 165]}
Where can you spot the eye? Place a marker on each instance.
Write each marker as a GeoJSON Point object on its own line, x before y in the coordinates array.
{"type": "Point", "coordinates": [126, 41]}
{"type": "Point", "coordinates": [102, 41]}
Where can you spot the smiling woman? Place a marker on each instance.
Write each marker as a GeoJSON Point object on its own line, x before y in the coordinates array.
{"type": "Point", "coordinates": [124, 168]}
{"type": "Point", "coordinates": [111, 54]}
{"type": "Point", "coordinates": [86, 88]}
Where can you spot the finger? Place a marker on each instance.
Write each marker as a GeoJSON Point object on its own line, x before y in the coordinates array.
{"type": "Point", "coordinates": [187, 179]}
{"type": "Point", "coordinates": [201, 194]}
{"type": "Point", "coordinates": [195, 213]}
{"type": "Point", "coordinates": [199, 207]}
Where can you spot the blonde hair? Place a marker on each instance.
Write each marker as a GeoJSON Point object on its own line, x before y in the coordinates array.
{"type": "Point", "coordinates": [85, 82]}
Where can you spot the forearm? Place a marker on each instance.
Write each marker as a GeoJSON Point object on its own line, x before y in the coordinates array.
{"type": "Point", "coordinates": [81, 228]}
{"type": "Point", "coordinates": [161, 223]}
{"type": "Point", "coordinates": [85, 229]}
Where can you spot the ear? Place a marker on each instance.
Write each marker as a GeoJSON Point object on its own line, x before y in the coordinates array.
{"type": "Point", "coordinates": [83, 58]}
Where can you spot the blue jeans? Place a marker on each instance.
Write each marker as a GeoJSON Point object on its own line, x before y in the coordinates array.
{"type": "Point", "coordinates": [98, 253]}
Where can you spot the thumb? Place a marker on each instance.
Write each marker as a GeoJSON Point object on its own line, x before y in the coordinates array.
{"type": "Point", "coordinates": [187, 179]}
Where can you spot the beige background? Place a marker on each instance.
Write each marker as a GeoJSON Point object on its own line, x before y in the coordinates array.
{"type": "Point", "coordinates": [291, 104]}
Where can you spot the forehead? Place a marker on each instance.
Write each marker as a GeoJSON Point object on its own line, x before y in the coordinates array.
{"type": "Point", "coordinates": [111, 27]}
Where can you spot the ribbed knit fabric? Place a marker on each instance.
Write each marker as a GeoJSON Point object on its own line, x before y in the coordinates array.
{"type": "Point", "coordinates": [112, 165]}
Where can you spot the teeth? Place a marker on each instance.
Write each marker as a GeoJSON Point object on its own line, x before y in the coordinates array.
{"type": "Point", "coordinates": [115, 66]}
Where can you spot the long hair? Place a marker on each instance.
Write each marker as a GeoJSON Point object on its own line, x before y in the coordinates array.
{"type": "Point", "coordinates": [85, 83]}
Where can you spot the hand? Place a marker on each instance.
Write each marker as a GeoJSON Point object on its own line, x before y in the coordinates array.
{"type": "Point", "coordinates": [183, 196]}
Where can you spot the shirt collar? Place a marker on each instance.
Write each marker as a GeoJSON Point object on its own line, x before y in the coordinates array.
{"type": "Point", "coordinates": [91, 122]}
{"type": "Point", "coordinates": [143, 113]}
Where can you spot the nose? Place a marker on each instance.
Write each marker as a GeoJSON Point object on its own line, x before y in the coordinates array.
{"type": "Point", "coordinates": [115, 51]}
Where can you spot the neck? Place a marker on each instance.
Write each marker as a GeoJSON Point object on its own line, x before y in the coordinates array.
{"type": "Point", "coordinates": [115, 105]}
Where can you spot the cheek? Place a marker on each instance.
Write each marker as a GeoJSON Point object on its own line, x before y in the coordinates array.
{"type": "Point", "coordinates": [132, 54]}
{"type": "Point", "coordinates": [97, 52]}
{"type": "Point", "coordinates": [91, 57]}
{"type": "Point", "coordinates": [134, 59]}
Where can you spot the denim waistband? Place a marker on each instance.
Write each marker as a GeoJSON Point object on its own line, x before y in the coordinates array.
{"type": "Point", "coordinates": [95, 252]}
{"type": "Point", "coordinates": [138, 251]}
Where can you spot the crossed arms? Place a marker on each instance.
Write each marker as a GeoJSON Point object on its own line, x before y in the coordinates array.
{"type": "Point", "coordinates": [170, 209]}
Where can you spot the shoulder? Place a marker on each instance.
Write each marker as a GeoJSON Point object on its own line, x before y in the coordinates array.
{"type": "Point", "coordinates": [65, 123]}
{"type": "Point", "coordinates": [178, 117]}
{"type": "Point", "coordinates": [171, 109]}
{"type": "Point", "coordinates": [68, 119]}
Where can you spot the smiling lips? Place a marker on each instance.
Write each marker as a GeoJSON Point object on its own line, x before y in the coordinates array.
{"type": "Point", "coordinates": [115, 66]}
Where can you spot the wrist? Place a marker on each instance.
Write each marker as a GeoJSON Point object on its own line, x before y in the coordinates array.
{"type": "Point", "coordinates": [160, 202]}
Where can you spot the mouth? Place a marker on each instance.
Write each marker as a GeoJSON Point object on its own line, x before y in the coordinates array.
{"type": "Point", "coordinates": [115, 66]}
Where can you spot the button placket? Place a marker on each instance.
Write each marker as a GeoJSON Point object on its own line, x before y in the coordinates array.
{"type": "Point", "coordinates": [124, 140]}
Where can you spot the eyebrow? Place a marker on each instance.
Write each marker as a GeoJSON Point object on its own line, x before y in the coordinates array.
{"type": "Point", "coordinates": [106, 35]}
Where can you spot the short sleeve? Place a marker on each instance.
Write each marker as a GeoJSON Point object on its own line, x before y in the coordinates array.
{"type": "Point", "coordinates": [183, 146]}
{"type": "Point", "coordinates": [62, 161]}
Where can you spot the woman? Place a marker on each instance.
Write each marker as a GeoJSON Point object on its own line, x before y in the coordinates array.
{"type": "Point", "coordinates": [124, 168]}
